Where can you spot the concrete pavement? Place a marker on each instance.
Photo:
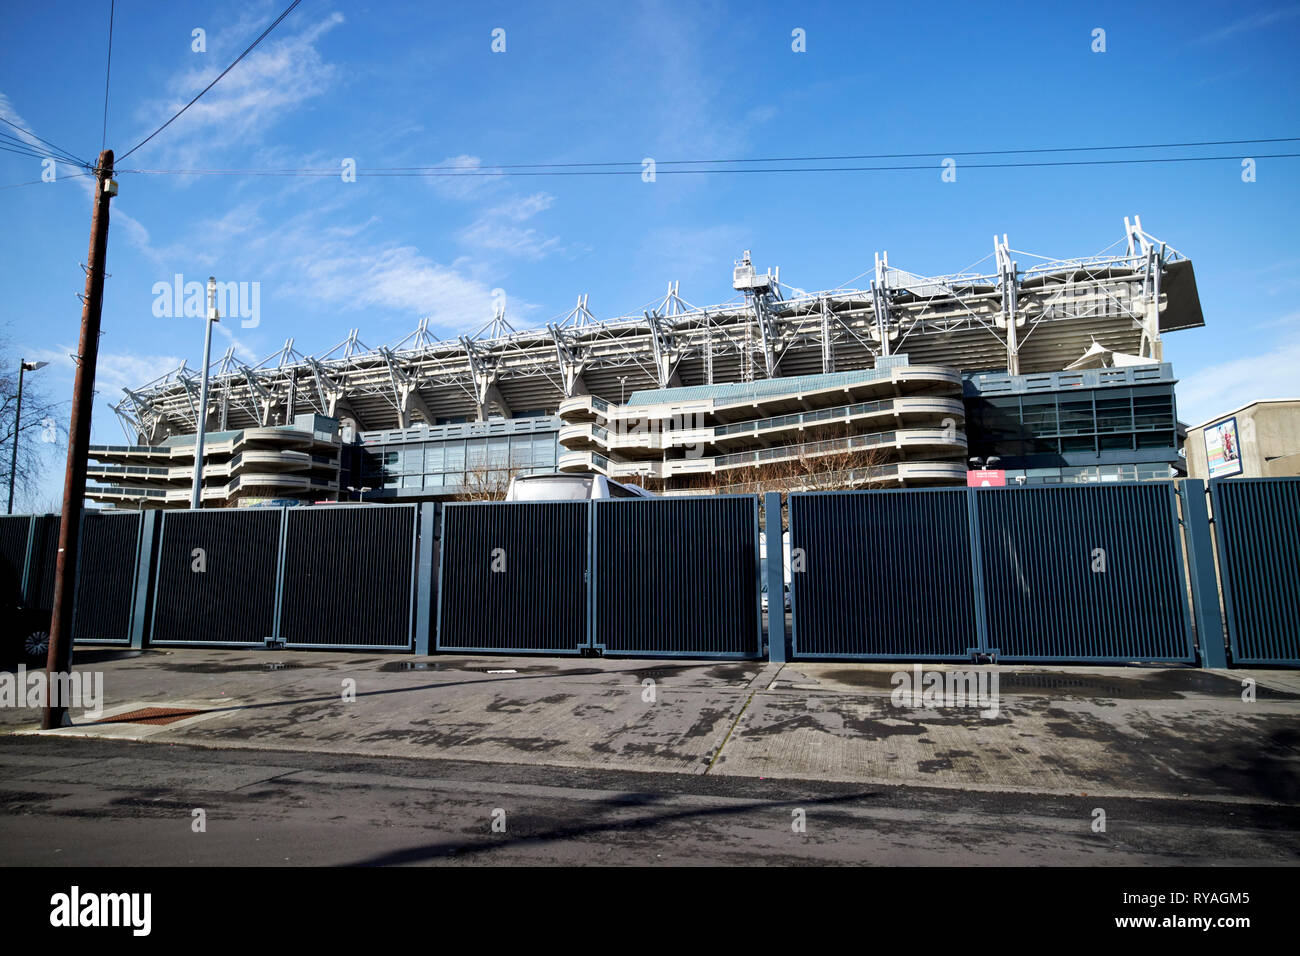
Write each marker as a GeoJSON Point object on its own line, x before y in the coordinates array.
{"type": "Point", "coordinates": [1173, 733]}
{"type": "Point", "coordinates": [83, 802]}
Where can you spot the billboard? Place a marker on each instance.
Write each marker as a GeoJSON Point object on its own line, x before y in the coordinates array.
{"type": "Point", "coordinates": [1222, 450]}
{"type": "Point", "coordinates": [986, 478]}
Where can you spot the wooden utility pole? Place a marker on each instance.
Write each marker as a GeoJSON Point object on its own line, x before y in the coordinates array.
{"type": "Point", "coordinates": [74, 483]}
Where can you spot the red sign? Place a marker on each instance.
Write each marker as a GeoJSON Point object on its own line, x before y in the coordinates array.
{"type": "Point", "coordinates": [986, 478]}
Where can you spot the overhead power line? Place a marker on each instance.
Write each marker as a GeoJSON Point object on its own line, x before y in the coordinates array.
{"type": "Point", "coordinates": [490, 169]}
{"type": "Point", "coordinates": [497, 171]}
{"type": "Point", "coordinates": [108, 69]}
{"type": "Point", "coordinates": [37, 182]}
{"type": "Point", "coordinates": [21, 152]}
{"type": "Point", "coordinates": [274, 23]}
{"type": "Point", "coordinates": [60, 152]}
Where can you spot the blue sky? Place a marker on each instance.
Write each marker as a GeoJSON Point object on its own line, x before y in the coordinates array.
{"type": "Point", "coordinates": [417, 84]}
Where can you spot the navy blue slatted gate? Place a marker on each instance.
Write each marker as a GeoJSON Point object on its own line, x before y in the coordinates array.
{"type": "Point", "coordinates": [663, 577]}
{"type": "Point", "coordinates": [217, 576]}
{"type": "Point", "coordinates": [14, 532]}
{"type": "Point", "coordinates": [41, 561]}
{"type": "Point", "coordinates": [105, 582]}
{"type": "Point", "coordinates": [1257, 527]}
{"type": "Point", "coordinates": [513, 577]}
{"type": "Point", "coordinates": [110, 546]}
{"type": "Point", "coordinates": [348, 577]}
{"type": "Point", "coordinates": [677, 577]}
{"type": "Point", "coordinates": [1083, 573]}
{"type": "Point", "coordinates": [882, 575]}
{"type": "Point", "coordinates": [327, 577]}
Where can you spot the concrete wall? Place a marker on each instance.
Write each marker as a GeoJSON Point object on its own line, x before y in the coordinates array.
{"type": "Point", "coordinates": [1269, 434]}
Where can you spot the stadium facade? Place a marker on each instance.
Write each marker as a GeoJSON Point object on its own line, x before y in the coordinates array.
{"type": "Point", "coordinates": [893, 423]}
{"type": "Point", "coordinates": [424, 416]}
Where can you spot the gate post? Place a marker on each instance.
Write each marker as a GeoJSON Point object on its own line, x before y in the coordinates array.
{"type": "Point", "coordinates": [778, 648]}
{"type": "Point", "coordinates": [977, 574]}
{"type": "Point", "coordinates": [27, 558]}
{"type": "Point", "coordinates": [143, 563]}
{"type": "Point", "coordinates": [424, 577]}
{"type": "Point", "coordinates": [279, 574]}
{"type": "Point", "coordinates": [1205, 585]}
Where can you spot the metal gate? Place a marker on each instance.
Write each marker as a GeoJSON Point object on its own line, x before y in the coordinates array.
{"type": "Point", "coordinates": [15, 531]}
{"type": "Point", "coordinates": [41, 559]}
{"type": "Point", "coordinates": [677, 577]}
{"type": "Point", "coordinates": [1074, 573]}
{"type": "Point", "coordinates": [664, 577]}
{"type": "Point", "coordinates": [1257, 527]}
{"type": "Point", "coordinates": [348, 577]}
{"type": "Point", "coordinates": [105, 579]}
{"type": "Point", "coordinates": [882, 575]}
{"type": "Point", "coordinates": [513, 577]}
{"type": "Point", "coordinates": [217, 578]}
{"type": "Point", "coordinates": [1083, 572]}
{"type": "Point", "coordinates": [106, 570]}
{"type": "Point", "coordinates": [335, 576]}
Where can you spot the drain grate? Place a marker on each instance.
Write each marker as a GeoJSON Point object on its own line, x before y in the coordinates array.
{"type": "Point", "coordinates": [151, 715]}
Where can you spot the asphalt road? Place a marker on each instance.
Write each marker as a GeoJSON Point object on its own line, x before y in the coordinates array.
{"type": "Point", "coordinates": [81, 802]}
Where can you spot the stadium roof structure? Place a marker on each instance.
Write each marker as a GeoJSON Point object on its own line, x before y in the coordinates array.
{"type": "Point", "coordinates": [1011, 311]}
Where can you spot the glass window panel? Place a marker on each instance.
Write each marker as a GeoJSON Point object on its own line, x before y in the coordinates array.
{"type": "Point", "coordinates": [1076, 417]}
{"type": "Point", "coordinates": [455, 457]}
{"type": "Point", "coordinates": [1039, 415]}
{"type": "Point", "coordinates": [1150, 439]}
{"type": "Point", "coordinates": [1114, 415]}
{"type": "Point", "coordinates": [544, 451]}
{"type": "Point", "coordinates": [1154, 411]}
{"type": "Point", "coordinates": [1078, 443]}
{"type": "Point", "coordinates": [433, 457]}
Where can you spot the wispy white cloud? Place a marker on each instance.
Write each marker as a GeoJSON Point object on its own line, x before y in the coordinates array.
{"type": "Point", "coordinates": [499, 229]}
{"type": "Point", "coordinates": [449, 183]}
{"type": "Point", "coordinates": [683, 252]}
{"type": "Point", "coordinates": [391, 276]}
{"type": "Point", "coordinates": [1249, 24]}
{"type": "Point", "coordinates": [1215, 389]}
{"type": "Point", "coordinates": [114, 370]}
{"type": "Point", "coordinates": [269, 84]}
{"type": "Point", "coordinates": [524, 207]}
{"type": "Point", "coordinates": [691, 106]}
{"type": "Point", "coordinates": [345, 268]}
{"type": "Point", "coordinates": [524, 243]}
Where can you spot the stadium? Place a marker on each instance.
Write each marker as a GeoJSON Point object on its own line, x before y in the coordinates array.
{"type": "Point", "coordinates": [426, 417]}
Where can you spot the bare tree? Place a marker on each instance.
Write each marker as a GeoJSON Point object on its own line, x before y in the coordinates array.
{"type": "Point", "coordinates": [840, 462]}
{"type": "Point", "coordinates": [485, 484]}
{"type": "Point", "coordinates": [42, 431]}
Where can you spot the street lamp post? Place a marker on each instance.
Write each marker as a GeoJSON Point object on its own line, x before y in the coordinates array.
{"type": "Point", "coordinates": [622, 388]}
{"type": "Point", "coordinates": [197, 490]}
{"type": "Point", "coordinates": [361, 497]}
{"type": "Point", "coordinates": [23, 366]}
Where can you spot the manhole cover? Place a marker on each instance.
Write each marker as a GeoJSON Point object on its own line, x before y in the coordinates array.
{"type": "Point", "coordinates": [151, 715]}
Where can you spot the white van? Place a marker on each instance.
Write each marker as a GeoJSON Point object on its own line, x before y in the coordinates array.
{"type": "Point", "coordinates": [762, 555]}
{"type": "Point", "coordinates": [570, 486]}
